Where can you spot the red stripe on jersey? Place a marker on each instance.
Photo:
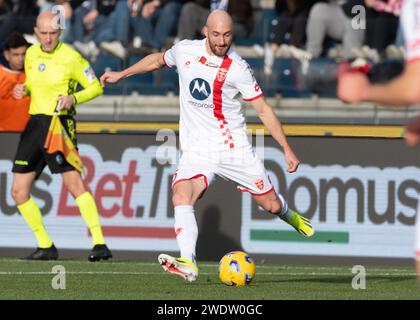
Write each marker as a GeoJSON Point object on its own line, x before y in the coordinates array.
{"type": "Point", "coordinates": [218, 100]}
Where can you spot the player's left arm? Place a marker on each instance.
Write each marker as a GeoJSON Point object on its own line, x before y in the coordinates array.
{"type": "Point", "coordinates": [273, 124]}
{"type": "Point", "coordinates": [402, 91]}
{"type": "Point", "coordinates": [83, 73]}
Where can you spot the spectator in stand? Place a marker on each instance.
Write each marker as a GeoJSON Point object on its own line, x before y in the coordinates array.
{"type": "Point", "coordinates": [19, 16]}
{"type": "Point", "coordinates": [13, 113]}
{"type": "Point", "coordinates": [381, 27]}
{"type": "Point", "coordinates": [4, 10]}
{"type": "Point", "coordinates": [333, 19]}
{"type": "Point", "coordinates": [291, 30]}
{"type": "Point", "coordinates": [100, 21]}
{"type": "Point", "coordinates": [152, 22]}
{"type": "Point", "coordinates": [194, 15]}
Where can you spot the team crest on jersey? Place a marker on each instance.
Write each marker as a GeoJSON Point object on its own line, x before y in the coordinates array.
{"type": "Point", "coordinates": [260, 184]}
{"type": "Point", "coordinates": [221, 75]}
{"type": "Point", "coordinates": [200, 89]}
{"type": "Point", "coordinates": [41, 67]}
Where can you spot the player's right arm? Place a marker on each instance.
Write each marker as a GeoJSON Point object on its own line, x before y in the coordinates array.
{"type": "Point", "coordinates": [149, 63]}
{"type": "Point", "coordinates": [405, 90]}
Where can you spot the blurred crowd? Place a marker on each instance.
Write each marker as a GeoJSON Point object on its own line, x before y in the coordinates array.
{"type": "Point", "coordinates": [346, 29]}
{"type": "Point", "coordinates": [119, 26]}
{"type": "Point", "coordinates": [305, 28]}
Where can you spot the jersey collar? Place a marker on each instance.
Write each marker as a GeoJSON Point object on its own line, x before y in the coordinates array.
{"type": "Point", "coordinates": [54, 50]}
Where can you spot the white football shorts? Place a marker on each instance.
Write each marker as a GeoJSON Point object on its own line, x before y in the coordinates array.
{"type": "Point", "coordinates": [241, 166]}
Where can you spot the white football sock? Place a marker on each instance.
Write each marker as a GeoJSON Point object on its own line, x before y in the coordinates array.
{"type": "Point", "coordinates": [186, 231]}
{"type": "Point", "coordinates": [284, 213]}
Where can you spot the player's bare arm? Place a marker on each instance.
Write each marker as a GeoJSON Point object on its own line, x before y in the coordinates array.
{"type": "Point", "coordinates": [355, 87]}
{"type": "Point", "coordinates": [149, 63]}
{"type": "Point", "coordinates": [270, 120]}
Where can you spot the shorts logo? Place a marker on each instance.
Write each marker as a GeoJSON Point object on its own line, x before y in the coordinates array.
{"type": "Point", "coordinates": [260, 184]}
{"type": "Point", "coordinates": [200, 89]}
{"type": "Point", "coordinates": [42, 67]}
{"type": "Point", "coordinates": [59, 159]}
{"type": "Point", "coordinates": [21, 163]}
{"type": "Point", "coordinates": [221, 75]}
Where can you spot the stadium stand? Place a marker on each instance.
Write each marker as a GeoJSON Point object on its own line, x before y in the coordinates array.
{"type": "Point", "coordinates": [294, 94]}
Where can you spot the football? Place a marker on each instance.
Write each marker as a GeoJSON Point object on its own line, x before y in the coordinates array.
{"type": "Point", "coordinates": [237, 269]}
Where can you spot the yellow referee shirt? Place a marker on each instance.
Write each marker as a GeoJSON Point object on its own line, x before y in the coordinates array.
{"type": "Point", "coordinates": [57, 73]}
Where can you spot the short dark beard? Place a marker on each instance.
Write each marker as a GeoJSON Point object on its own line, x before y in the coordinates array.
{"type": "Point", "coordinates": [213, 50]}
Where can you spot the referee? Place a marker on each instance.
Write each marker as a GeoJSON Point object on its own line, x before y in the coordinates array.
{"type": "Point", "coordinates": [53, 71]}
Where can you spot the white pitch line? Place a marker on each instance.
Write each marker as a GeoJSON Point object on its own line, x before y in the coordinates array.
{"type": "Point", "coordinates": [12, 273]}
{"type": "Point", "coordinates": [372, 270]}
{"type": "Point", "coordinates": [211, 265]}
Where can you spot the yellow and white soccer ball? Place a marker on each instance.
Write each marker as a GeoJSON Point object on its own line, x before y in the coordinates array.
{"type": "Point", "coordinates": [236, 268]}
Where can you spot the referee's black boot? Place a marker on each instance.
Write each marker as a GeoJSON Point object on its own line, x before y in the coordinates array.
{"type": "Point", "coordinates": [100, 252]}
{"type": "Point", "coordinates": [44, 254]}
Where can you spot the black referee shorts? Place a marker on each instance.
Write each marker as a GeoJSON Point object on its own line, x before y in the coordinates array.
{"type": "Point", "coordinates": [31, 155]}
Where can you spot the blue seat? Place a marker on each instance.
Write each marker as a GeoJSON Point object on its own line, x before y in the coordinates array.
{"type": "Point", "coordinates": [286, 79]}
{"type": "Point", "coordinates": [321, 78]}
{"type": "Point", "coordinates": [107, 62]}
{"type": "Point", "coordinates": [168, 80]}
{"type": "Point", "coordinates": [141, 83]}
{"type": "Point", "coordinates": [264, 29]}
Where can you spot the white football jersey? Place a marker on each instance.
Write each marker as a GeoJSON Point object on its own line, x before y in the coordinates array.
{"type": "Point", "coordinates": [211, 116]}
{"type": "Point", "coordinates": [410, 17]}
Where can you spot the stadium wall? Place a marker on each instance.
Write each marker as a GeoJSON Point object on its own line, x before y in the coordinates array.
{"type": "Point", "coordinates": [360, 193]}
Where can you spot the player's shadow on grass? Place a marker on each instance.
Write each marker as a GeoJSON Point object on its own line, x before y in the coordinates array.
{"type": "Point", "coordinates": [212, 243]}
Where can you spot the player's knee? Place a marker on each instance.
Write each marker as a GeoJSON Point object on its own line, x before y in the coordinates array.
{"type": "Point", "coordinates": [19, 195]}
{"type": "Point", "coordinates": [181, 199]}
{"type": "Point", "coordinates": [75, 186]}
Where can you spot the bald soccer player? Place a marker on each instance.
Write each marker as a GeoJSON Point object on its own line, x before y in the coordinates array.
{"type": "Point", "coordinates": [213, 134]}
{"type": "Point", "coordinates": [53, 71]}
{"type": "Point", "coordinates": [402, 91]}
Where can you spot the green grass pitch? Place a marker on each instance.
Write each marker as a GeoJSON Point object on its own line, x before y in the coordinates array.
{"type": "Point", "coordinates": [147, 280]}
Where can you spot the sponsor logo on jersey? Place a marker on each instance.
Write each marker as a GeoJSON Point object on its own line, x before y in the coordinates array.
{"type": "Point", "coordinates": [207, 63]}
{"type": "Point", "coordinates": [42, 67]}
{"type": "Point", "coordinates": [200, 89]}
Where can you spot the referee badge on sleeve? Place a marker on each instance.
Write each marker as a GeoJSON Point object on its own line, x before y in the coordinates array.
{"type": "Point", "coordinates": [90, 74]}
